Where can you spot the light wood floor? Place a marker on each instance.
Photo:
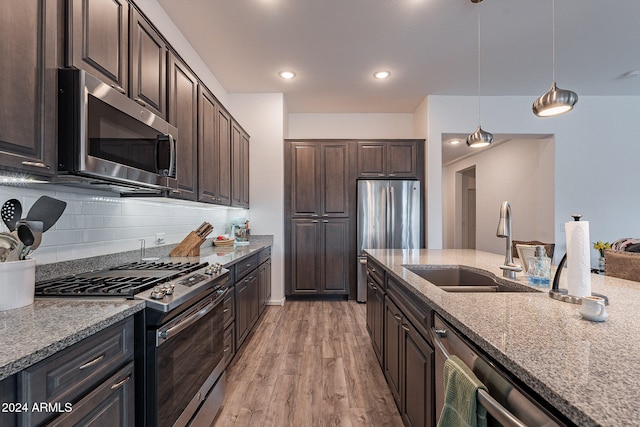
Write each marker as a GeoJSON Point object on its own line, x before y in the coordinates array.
{"type": "Point", "coordinates": [308, 363]}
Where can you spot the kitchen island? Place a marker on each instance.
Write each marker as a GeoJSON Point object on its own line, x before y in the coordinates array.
{"type": "Point", "coordinates": [586, 370]}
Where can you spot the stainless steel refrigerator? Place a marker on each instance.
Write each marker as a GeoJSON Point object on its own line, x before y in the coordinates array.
{"type": "Point", "coordinates": [388, 218]}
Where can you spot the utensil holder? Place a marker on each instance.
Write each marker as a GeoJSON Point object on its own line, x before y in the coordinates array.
{"type": "Point", "coordinates": [190, 246]}
{"type": "Point", "coordinates": [17, 283]}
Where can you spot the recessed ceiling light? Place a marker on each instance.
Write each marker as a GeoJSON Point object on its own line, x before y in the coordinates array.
{"type": "Point", "coordinates": [381, 74]}
{"type": "Point", "coordinates": [454, 142]}
{"type": "Point", "coordinates": [285, 74]}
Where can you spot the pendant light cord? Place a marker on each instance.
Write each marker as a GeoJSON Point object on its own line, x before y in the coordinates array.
{"type": "Point", "coordinates": [478, 64]}
{"type": "Point", "coordinates": [553, 41]}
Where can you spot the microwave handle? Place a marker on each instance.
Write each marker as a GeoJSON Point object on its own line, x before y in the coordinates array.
{"type": "Point", "coordinates": [172, 147]}
{"type": "Point", "coordinates": [172, 152]}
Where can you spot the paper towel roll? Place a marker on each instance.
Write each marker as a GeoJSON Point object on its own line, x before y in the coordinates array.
{"type": "Point", "coordinates": [578, 259]}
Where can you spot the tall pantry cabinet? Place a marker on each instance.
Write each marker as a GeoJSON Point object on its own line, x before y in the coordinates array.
{"type": "Point", "coordinates": [320, 217]}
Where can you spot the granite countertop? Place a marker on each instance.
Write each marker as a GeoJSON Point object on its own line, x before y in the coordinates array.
{"type": "Point", "coordinates": [587, 370]}
{"type": "Point", "coordinates": [33, 333]}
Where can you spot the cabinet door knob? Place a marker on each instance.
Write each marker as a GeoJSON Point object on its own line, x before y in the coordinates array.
{"type": "Point", "coordinates": [36, 165]}
{"type": "Point", "coordinates": [119, 89]}
{"type": "Point", "coordinates": [93, 362]}
{"type": "Point", "coordinates": [121, 383]}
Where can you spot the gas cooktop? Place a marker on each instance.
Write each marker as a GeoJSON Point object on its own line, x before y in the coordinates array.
{"type": "Point", "coordinates": [124, 280]}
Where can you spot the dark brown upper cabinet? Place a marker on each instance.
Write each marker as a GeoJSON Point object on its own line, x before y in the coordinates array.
{"type": "Point", "coordinates": [97, 39]}
{"type": "Point", "coordinates": [319, 178]}
{"type": "Point", "coordinates": [239, 166]}
{"type": "Point", "coordinates": [28, 100]}
{"type": "Point", "coordinates": [214, 150]}
{"type": "Point", "coordinates": [389, 159]}
{"type": "Point", "coordinates": [183, 114]}
{"type": "Point", "coordinates": [148, 68]}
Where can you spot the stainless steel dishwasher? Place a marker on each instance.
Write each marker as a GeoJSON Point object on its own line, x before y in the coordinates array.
{"type": "Point", "coordinates": [505, 402]}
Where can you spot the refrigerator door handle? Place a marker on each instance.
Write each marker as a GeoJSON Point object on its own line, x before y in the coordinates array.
{"type": "Point", "coordinates": [392, 215]}
{"type": "Point", "coordinates": [387, 214]}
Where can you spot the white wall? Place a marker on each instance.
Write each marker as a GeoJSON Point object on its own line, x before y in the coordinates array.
{"type": "Point", "coordinates": [596, 156]}
{"type": "Point", "coordinates": [431, 174]}
{"type": "Point", "coordinates": [350, 126]}
{"type": "Point", "coordinates": [263, 117]}
{"type": "Point", "coordinates": [520, 171]}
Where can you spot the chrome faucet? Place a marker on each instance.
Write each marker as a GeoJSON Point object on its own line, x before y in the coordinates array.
{"type": "Point", "coordinates": [504, 230]}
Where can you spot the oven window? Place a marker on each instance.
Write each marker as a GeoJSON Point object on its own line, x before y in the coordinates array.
{"type": "Point", "coordinates": [185, 361]}
{"type": "Point", "coordinates": [119, 138]}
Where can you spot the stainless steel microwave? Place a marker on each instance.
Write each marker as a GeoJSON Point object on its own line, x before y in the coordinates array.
{"type": "Point", "coordinates": [104, 134]}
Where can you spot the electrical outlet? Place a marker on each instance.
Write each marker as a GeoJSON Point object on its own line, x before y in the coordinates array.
{"type": "Point", "coordinates": [160, 238]}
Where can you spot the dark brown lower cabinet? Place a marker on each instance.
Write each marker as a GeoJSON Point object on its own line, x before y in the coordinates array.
{"type": "Point", "coordinates": [417, 389]}
{"type": "Point", "coordinates": [264, 284]}
{"type": "Point", "coordinates": [319, 256]}
{"type": "Point", "coordinates": [408, 368]}
{"type": "Point", "coordinates": [111, 404]}
{"type": "Point", "coordinates": [375, 315]}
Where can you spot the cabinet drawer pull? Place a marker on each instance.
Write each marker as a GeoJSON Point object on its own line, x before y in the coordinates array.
{"type": "Point", "coordinates": [397, 316]}
{"type": "Point", "coordinates": [140, 101]}
{"type": "Point", "coordinates": [119, 89]}
{"type": "Point", "coordinates": [227, 348]}
{"type": "Point", "coordinates": [314, 221]}
{"type": "Point", "coordinates": [325, 220]}
{"type": "Point", "coordinates": [36, 165]}
{"type": "Point", "coordinates": [405, 327]}
{"type": "Point", "coordinates": [176, 191]}
{"type": "Point", "coordinates": [226, 310]}
{"type": "Point", "coordinates": [380, 174]}
{"type": "Point", "coordinates": [121, 383]}
{"type": "Point", "coordinates": [373, 269]}
{"type": "Point", "coordinates": [92, 362]}
{"type": "Point", "coordinates": [392, 174]}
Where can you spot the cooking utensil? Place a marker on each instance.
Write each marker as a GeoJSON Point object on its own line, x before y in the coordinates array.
{"type": "Point", "coordinates": [10, 247]}
{"type": "Point", "coordinates": [48, 210]}
{"type": "Point", "coordinates": [30, 234]}
{"type": "Point", "coordinates": [11, 212]}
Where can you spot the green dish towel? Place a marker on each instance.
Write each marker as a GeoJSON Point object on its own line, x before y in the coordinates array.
{"type": "Point", "coordinates": [461, 408]}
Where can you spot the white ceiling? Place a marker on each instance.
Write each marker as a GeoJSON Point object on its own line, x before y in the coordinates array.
{"type": "Point", "coordinates": [430, 47]}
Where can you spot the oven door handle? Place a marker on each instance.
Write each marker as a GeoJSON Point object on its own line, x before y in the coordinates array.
{"type": "Point", "coordinates": [163, 335]}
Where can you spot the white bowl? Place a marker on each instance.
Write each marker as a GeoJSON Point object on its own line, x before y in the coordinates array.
{"type": "Point", "coordinates": [17, 283]}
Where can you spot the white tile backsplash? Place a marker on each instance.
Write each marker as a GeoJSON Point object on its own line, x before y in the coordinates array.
{"type": "Point", "coordinates": [96, 223]}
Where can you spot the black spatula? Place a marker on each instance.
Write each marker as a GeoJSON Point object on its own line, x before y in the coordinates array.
{"type": "Point", "coordinates": [48, 210]}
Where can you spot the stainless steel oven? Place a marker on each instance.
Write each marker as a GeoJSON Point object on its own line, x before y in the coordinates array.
{"type": "Point", "coordinates": [185, 365]}
{"type": "Point", "coordinates": [179, 335]}
{"type": "Point", "coordinates": [106, 135]}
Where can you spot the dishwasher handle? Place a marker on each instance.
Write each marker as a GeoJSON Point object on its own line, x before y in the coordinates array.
{"type": "Point", "coordinates": [493, 407]}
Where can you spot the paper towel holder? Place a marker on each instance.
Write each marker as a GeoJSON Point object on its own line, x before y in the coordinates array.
{"type": "Point", "coordinates": [563, 294]}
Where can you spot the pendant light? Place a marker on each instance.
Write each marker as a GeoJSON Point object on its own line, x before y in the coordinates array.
{"type": "Point", "coordinates": [479, 138]}
{"type": "Point", "coordinates": [556, 101]}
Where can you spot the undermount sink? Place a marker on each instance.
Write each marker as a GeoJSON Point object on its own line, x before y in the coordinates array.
{"type": "Point", "coordinates": [461, 279]}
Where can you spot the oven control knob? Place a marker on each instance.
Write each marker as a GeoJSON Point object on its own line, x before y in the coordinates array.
{"type": "Point", "coordinates": [157, 293]}
{"type": "Point", "coordinates": [168, 289]}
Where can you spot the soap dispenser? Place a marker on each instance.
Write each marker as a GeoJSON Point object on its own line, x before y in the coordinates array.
{"type": "Point", "coordinates": [539, 271]}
